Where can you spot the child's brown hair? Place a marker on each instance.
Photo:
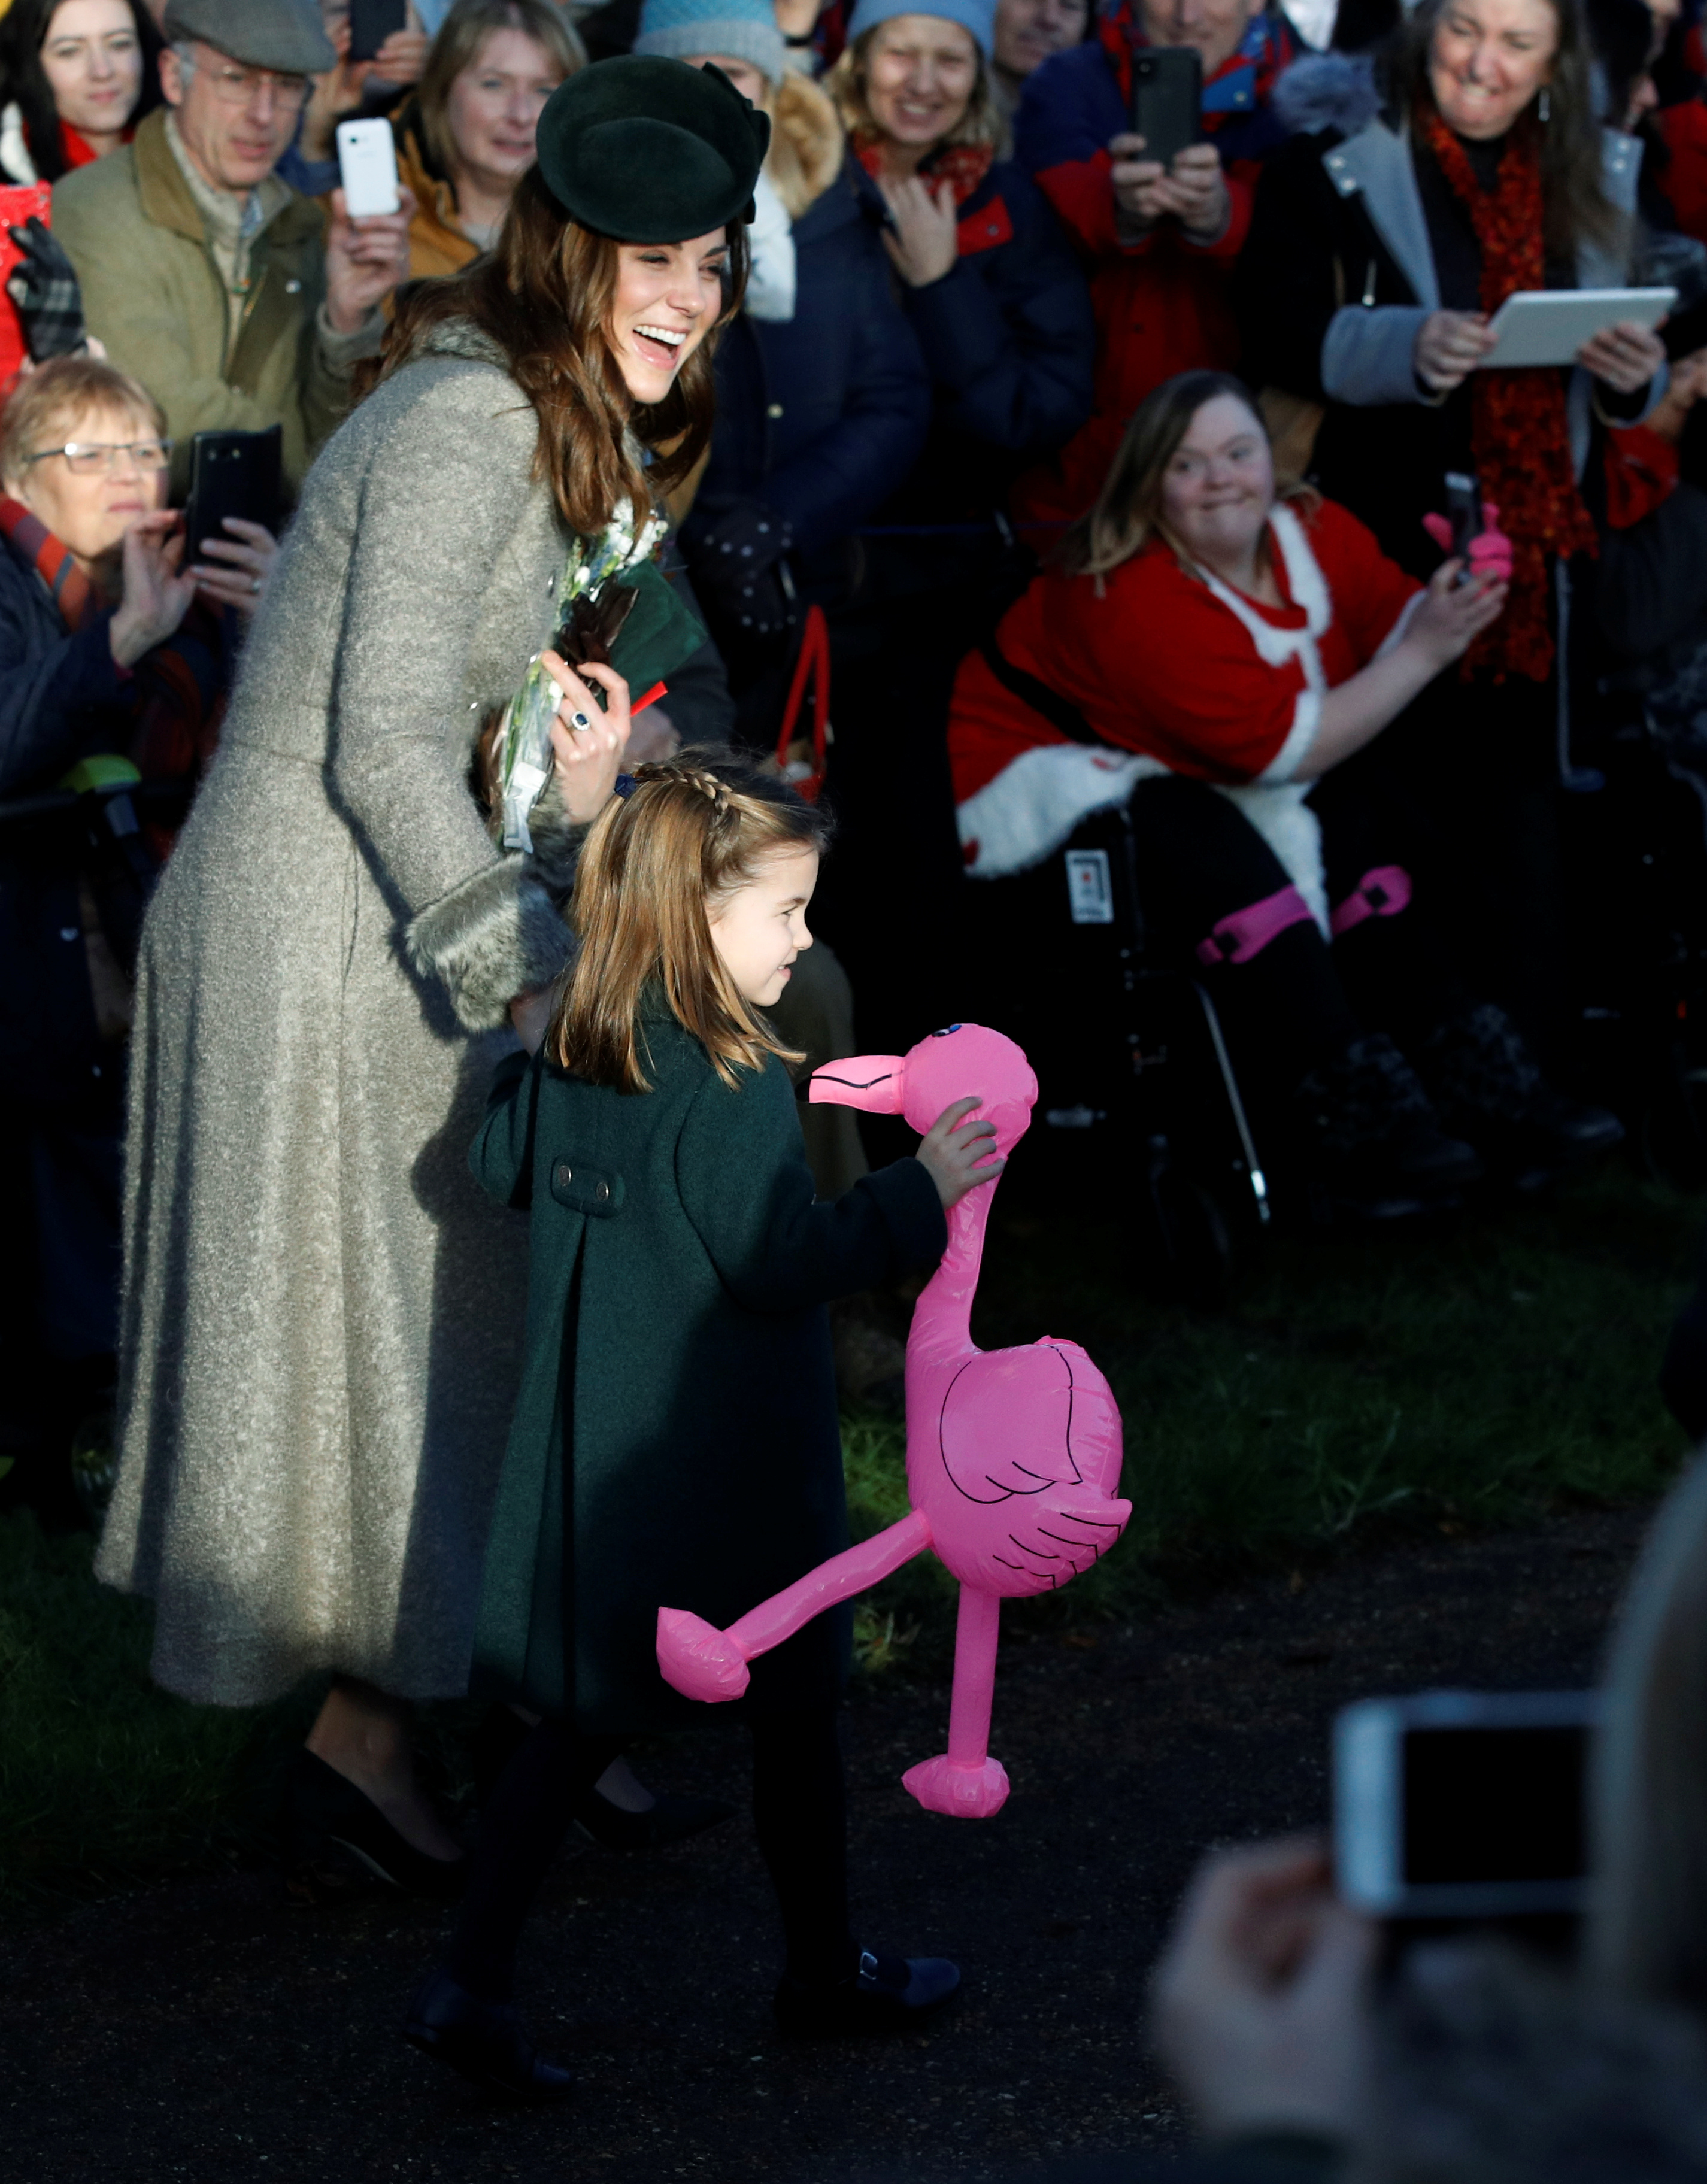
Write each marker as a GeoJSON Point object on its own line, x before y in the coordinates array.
{"type": "Point", "coordinates": [690, 832]}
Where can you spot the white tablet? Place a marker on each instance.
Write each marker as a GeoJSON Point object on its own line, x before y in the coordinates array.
{"type": "Point", "coordinates": [1549, 326]}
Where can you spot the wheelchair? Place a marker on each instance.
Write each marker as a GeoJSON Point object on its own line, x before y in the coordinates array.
{"type": "Point", "coordinates": [1138, 1101]}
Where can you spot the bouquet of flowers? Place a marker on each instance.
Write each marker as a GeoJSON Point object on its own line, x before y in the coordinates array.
{"type": "Point", "coordinates": [592, 612]}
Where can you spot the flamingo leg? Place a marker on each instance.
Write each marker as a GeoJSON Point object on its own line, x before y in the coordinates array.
{"type": "Point", "coordinates": [965, 1781]}
{"type": "Point", "coordinates": [703, 1663]}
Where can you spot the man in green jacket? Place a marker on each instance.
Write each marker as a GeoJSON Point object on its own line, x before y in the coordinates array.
{"type": "Point", "coordinates": [231, 298]}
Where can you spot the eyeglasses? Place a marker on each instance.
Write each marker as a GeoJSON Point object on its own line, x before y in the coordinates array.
{"type": "Point", "coordinates": [242, 87]}
{"type": "Point", "coordinates": [89, 459]}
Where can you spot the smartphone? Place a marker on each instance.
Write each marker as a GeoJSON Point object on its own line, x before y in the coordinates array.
{"type": "Point", "coordinates": [367, 167]}
{"type": "Point", "coordinates": [231, 474]}
{"type": "Point", "coordinates": [1463, 1805]}
{"type": "Point", "coordinates": [1167, 100]}
{"type": "Point", "coordinates": [372, 22]}
{"type": "Point", "coordinates": [1463, 513]}
{"type": "Point", "coordinates": [17, 206]}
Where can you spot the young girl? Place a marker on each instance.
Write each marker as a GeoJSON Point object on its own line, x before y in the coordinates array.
{"type": "Point", "coordinates": [675, 1436]}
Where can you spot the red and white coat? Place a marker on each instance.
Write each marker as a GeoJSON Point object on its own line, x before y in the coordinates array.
{"type": "Point", "coordinates": [1178, 673]}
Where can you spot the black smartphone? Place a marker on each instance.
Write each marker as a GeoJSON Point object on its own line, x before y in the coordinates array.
{"type": "Point", "coordinates": [1463, 1805]}
{"type": "Point", "coordinates": [1167, 100]}
{"type": "Point", "coordinates": [231, 474]}
{"type": "Point", "coordinates": [372, 22]}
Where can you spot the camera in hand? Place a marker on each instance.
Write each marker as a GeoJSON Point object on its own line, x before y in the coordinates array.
{"type": "Point", "coordinates": [231, 474]}
{"type": "Point", "coordinates": [1463, 1805]}
{"type": "Point", "coordinates": [1167, 100]}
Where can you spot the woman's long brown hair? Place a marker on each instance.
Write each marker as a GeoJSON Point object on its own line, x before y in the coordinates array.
{"type": "Point", "coordinates": [691, 832]}
{"type": "Point", "coordinates": [544, 296]}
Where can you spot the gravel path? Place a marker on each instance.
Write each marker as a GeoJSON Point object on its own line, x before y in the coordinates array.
{"type": "Point", "coordinates": [211, 2029]}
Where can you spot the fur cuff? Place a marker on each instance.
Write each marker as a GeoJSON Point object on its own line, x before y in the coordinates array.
{"type": "Point", "coordinates": [1328, 91]}
{"type": "Point", "coordinates": [556, 846]}
{"type": "Point", "coordinates": [496, 935]}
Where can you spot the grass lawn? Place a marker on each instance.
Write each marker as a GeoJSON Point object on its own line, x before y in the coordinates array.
{"type": "Point", "coordinates": [1473, 1375]}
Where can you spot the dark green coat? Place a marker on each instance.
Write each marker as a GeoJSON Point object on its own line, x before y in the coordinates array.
{"type": "Point", "coordinates": [677, 1372]}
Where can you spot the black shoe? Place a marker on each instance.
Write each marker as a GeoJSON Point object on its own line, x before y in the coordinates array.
{"type": "Point", "coordinates": [670, 1820]}
{"type": "Point", "coordinates": [885, 1994]}
{"type": "Point", "coordinates": [485, 2041]}
{"type": "Point", "coordinates": [1489, 1089]}
{"type": "Point", "coordinates": [1372, 1142]}
{"type": "Point", "coordinates": [328, 1821]}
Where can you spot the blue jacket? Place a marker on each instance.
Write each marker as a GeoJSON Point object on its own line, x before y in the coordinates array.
{"type": "Point", "coordinates": [822, 416]}
{"type": "Point", "coordinates": [1009, 341]}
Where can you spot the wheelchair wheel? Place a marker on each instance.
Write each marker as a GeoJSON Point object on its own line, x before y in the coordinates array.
{"type": "Point", "coordinates": [1181, 1237]}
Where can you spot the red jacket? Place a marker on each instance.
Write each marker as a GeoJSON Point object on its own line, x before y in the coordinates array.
{"type": "Point", "coordinates": [1179, 671]}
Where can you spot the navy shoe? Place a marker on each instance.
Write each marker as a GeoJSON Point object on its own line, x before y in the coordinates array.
{"type": "Point", "coordinates": [485, 2041]}
{"type": "Point", "coordinates": [886, 1994]}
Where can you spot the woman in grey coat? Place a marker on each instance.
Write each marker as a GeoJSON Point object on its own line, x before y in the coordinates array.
{"type": "Point", "coordinates": [322, 1312]}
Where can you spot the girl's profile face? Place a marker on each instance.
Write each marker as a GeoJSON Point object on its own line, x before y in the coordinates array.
{"type": "Point", "coordinates": [759, 928]}
{"type": "Point", "coordinates": [669, 296]}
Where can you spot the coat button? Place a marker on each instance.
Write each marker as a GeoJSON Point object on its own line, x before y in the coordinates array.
{"type": "Point", "coordinates": [773, 410]}
{"type": "Point", "coordinates": [601, 1191]}
{"type": "Point", "coordinates": [564, 1175]}
{"type": "Point", "coordinates": [292, 287]}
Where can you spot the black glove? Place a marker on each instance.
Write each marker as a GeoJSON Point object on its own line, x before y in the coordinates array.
{"type": "Point", "coordinates": [43, 285]}
{"type": "Point", "coordinates": [742, 568]}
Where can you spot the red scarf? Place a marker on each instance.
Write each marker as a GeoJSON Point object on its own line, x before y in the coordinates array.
{"type": "Point", "coordinates": [1519, 430]}
{"type": "Point", "coordinates": [963, 167]}
{"type": "Point", "coordinates": [74, 594]}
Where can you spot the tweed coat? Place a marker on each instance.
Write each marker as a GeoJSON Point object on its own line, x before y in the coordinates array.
{"type": "Point", "coordinates": [322, 1313]}
{"type": "Point", "coordinates": [676, 1441]}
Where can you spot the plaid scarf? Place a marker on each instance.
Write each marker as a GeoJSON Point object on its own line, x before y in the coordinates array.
{"type": "Point", "coordinates": [963, 166]}
{"type": "Point", "coordinates": [36, 547]}
{"type": "Point", "coordinates": [1519, 430]}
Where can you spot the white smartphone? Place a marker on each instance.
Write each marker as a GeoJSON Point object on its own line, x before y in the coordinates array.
{"type": "Point", "coordinates": [367, 166]}
{"type": "Point", "coordinates": [1549, 326]}
{"type": "Point", "coordinates": [1463, 1804]}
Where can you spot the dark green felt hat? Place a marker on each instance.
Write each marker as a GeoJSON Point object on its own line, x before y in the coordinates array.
{"type": "Point", "coordinates": [651, 150]}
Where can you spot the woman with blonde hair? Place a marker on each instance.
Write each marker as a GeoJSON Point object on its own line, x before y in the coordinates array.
{"type": "Point", "coordinates": [1210, 648]}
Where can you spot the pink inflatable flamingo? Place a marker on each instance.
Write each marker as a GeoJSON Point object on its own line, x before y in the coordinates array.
{"type": "Point", "coordinates": [1013, 1456]}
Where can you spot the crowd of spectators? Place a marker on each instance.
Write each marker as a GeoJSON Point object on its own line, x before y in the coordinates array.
{"type": "Point", "coordinates": [967, 282]}
{"type": "Point", "coordinates": [1093, 485]}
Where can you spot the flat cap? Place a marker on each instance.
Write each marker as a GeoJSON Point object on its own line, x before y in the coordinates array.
{"type": "Point", "coordinates": [649, 150]}
{"type": "Point", "coordinates": [286, 36]}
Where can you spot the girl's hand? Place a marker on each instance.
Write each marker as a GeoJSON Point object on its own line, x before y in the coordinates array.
{"type": "Point", "coordinates": [1453, 615]}
{"type": "Point", "coordinates": [925, 246]}
{"type": "Point", "coordinates": [590, 740]}
{"type": "Point", "coordinates": [1624, 357]}
{"type": "Point", "coordinates": [954, 1153]}
{"type": "Point", "coordinates": [1449, 346]}
{"type": "Point", "coordinates": [239, 574]}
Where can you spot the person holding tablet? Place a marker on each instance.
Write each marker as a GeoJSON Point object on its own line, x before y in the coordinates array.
{"type": "Point", "coordinates": [1386, 234]}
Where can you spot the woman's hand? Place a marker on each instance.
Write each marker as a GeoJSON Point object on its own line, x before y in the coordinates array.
{"type": "Point", "coordinates": [155, 598]}
{"type": "Point", "coordinates": [925, 244]}
{"type": "Point", "coordinates": [235, 574]}
{"type": "Point", "coordinates": [1624, 357]}
{"type": "Point", "coordinates": [1260, 2000]}
{"type": "Point", "coordinates": [1449, 346]}
{"type": "Point", "coordinates": [1453, 615]}
{"type": "Point", "coordinates": [364, 260]}
{"type": "Point", "coordinates": [589, 740]}
{"type": "Point", "coordinates": [1688, 383]}
{"type": "Point", "coordinates": [955, 1152]}
{"type": "Point", "coordinates": [334, 95]}
{"type": "Point", "coordinates": [401, 58]}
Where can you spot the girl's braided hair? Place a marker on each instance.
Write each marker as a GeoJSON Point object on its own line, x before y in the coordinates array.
{"type": "Point", "coordinates": [654, 865]}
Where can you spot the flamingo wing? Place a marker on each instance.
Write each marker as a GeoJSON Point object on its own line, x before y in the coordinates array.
{"type": "Point", "coordinates": [1018, 1422]}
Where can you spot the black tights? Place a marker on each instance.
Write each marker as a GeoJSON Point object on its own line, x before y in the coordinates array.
{"type": "Point", "coordinates": [800, 1814]}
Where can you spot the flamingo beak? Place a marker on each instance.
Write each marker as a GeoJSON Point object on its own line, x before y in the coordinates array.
{"type": "Point", "coordinates": [874, 1082]}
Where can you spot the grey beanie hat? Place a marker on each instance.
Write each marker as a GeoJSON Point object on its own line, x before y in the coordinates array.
{"type": "Point", "coordinates": [285, 36]}
{"type": "Point", "coordinates": [695, 29]}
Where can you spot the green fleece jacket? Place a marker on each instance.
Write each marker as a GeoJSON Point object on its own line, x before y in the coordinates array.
{"type": "Point", "coordinates": [153, 294]}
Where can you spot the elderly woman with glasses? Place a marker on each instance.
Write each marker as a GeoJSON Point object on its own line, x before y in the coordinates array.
{"type": "Point", "coordinates": [106, 650]}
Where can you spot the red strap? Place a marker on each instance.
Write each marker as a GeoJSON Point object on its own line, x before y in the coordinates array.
{"type": "Point", "coordinates": [658, 690]}
{"type": "Point", "coordinates": [813, 660]}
